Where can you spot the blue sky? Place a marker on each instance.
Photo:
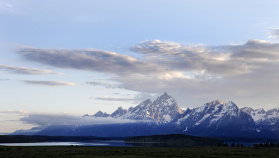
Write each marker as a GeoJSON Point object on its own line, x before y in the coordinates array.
{"type": "Point", "coordinates": [75, 57]}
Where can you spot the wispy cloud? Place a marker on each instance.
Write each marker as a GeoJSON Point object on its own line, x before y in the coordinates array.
{"type": "Point", "coordinates": [91, 60]}
{"type": "Point", "coordinates": [49, 83]}
{"type": "Point", "coordinates": [26, 71]}
{"type": "Point", "coordinates": [1, 79]}
{"type": "Point", "coordinates": [106, 98]}
{"type": "Point", "coordinates": [14, 112]}
{"type": "Point", "coordinates": [274, 33]}
{"type": "Point", "coordinates": [106, 85]}
{"type": "Point", "coordinates": [11, 6]}
{"type": "Point", "coordinates": [3, 4]}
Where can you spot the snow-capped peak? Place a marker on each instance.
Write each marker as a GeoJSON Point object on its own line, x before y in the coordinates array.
{"type": "Point", "coordinates": [215, 102]}
{"type": "Point", "coordinates": [257, 114]}
{"type": "Point", "coordinates": [119, 112]}
{"type": "Point", "coordinates": [162, 110]}
{"type": "Point", "coordinates": [100, 114]}
{"type": "Point", "coordinates": [164, 100]}
{"type": "Point", "coordinates": [146, 102]}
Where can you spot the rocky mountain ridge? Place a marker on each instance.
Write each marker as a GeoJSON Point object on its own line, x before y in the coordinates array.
{"type": "Point", "coordinates": [164, 116]}
{"type": "Point", "coordinates": [162, 110]}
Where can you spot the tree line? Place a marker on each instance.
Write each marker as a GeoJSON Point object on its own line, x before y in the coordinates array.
{"type": "Point", "coordinates": [257, 145]}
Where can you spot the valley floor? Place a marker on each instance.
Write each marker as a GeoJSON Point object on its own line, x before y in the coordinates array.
{"type": "Point", "coordinates": [135, 152]}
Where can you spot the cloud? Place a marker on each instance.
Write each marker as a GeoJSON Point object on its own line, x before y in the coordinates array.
{"type": "Point", "coordinates": [63, 119]}
{"type": "Point", "coordinates": [157, 46]}
{"type": "Point", "coordinates": [242, 72]}
{"type": "Point", "coordinates": [26, 71]}
{"type": "Point", "coordinates": [106, 85]}
{"type": "Point", "coordinates": [196, 59]}
{"type": "Point", "coordinates": [135, 99]}
{"type": "Point", "coordinates": [11, 6]}
{"type": "Point", "coordinates": [1, 79]}
{"type": "Point", "coordinates": [5, 6]}
{"type": "Point", "coordinates": [255, 52]}
{"type": "Point", "coordinates": [193, 74]}
{"type": "Point", "coordinates": [106, 98]}
{"type": "Point", "coordinates": [90, 60]}
{"type": "Point", "coordinates": [49, 83]}
{"type": "Point", "coordinates": [14, 112]}
{"type": "Point", "coordinates": [274, 33]}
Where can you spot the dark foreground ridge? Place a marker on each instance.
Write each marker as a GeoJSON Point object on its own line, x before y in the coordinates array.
{"type": "Point", "coordinates": [173, 140]}
{"type": "Point", "coordinates": [136, 152]}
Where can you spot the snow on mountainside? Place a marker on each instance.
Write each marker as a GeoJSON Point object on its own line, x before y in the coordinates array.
{"type": "Point", "coordinates": [257, 114]}
{"type": "Point", "coordinates": [164, 116]}
{"type": "Point", "coordinates": [265, 120]}
{"type": "Point", "coordinates": [119, 112]}
{"type": "Point", "coordinates": [272, 115]}
{"type": "Point", "coordinates": [162, 110]}
{"type": "Point", "coordinates": [215, 118]}
{"type": "Point", "coordinates": [210, 113]}
{"type": "Point", "coordinates": [261, 116]}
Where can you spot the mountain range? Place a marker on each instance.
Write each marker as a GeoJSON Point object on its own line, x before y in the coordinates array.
{"type": "Point", "coordinates": [164, 116]}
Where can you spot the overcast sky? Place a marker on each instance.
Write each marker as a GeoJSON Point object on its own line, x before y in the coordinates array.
{"type": "Point", "coordinates": [67, 58]}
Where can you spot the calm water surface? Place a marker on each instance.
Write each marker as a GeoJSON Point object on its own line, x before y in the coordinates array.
{"type": "Point", "coordinates": [92, 143]}
{"type": "Point", "coordinates": [118, 143]}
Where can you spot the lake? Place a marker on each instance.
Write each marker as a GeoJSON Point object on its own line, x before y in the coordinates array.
{"type": "Point", "coordinates": [118, 143]}
{"type": "Point", "coordinates": [91, 143]}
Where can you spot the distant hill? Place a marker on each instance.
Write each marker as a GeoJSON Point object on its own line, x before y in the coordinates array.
{"type": "Point", "coordinates": [21, 139]}
{"type": "Point", "coordinates": [173, 140]}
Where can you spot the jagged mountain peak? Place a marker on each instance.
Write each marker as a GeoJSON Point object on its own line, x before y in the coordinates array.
{"type": "Point", "coordinates": [165, 94]}
{"type": "Point", "coordinates": [273, 110]}
{"type": "Point", "coordinates": [257, 114]}
{"type": "Point", "coordinates": [86, 115]}
{"type": "Point", "coordinates": [161, 110]}
{"type": "Point", "coordinates": [220, 104]}
{"type": "Point", "coordinates": [215, 102]}
{"type": "Point", "coordinates": [247, 109]}
{"type": "Point", "coordinates": [164, 100]}
{"type": "Point", "coordinates": [231, 105]}
{"type": "Point", "coordinates": [146, 102]}
{"type": "Point", "coordinates": [120, 108]}
{"type": "Point", "coordinates": [215, 118]}
{"type": "Point", "coordinates": [119, 112]}
{"type": "Point", "coordinates": [101, 114]}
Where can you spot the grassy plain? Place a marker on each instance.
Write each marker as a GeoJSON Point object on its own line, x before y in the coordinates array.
{"type": "Point", "coordinates": [135, 152]}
